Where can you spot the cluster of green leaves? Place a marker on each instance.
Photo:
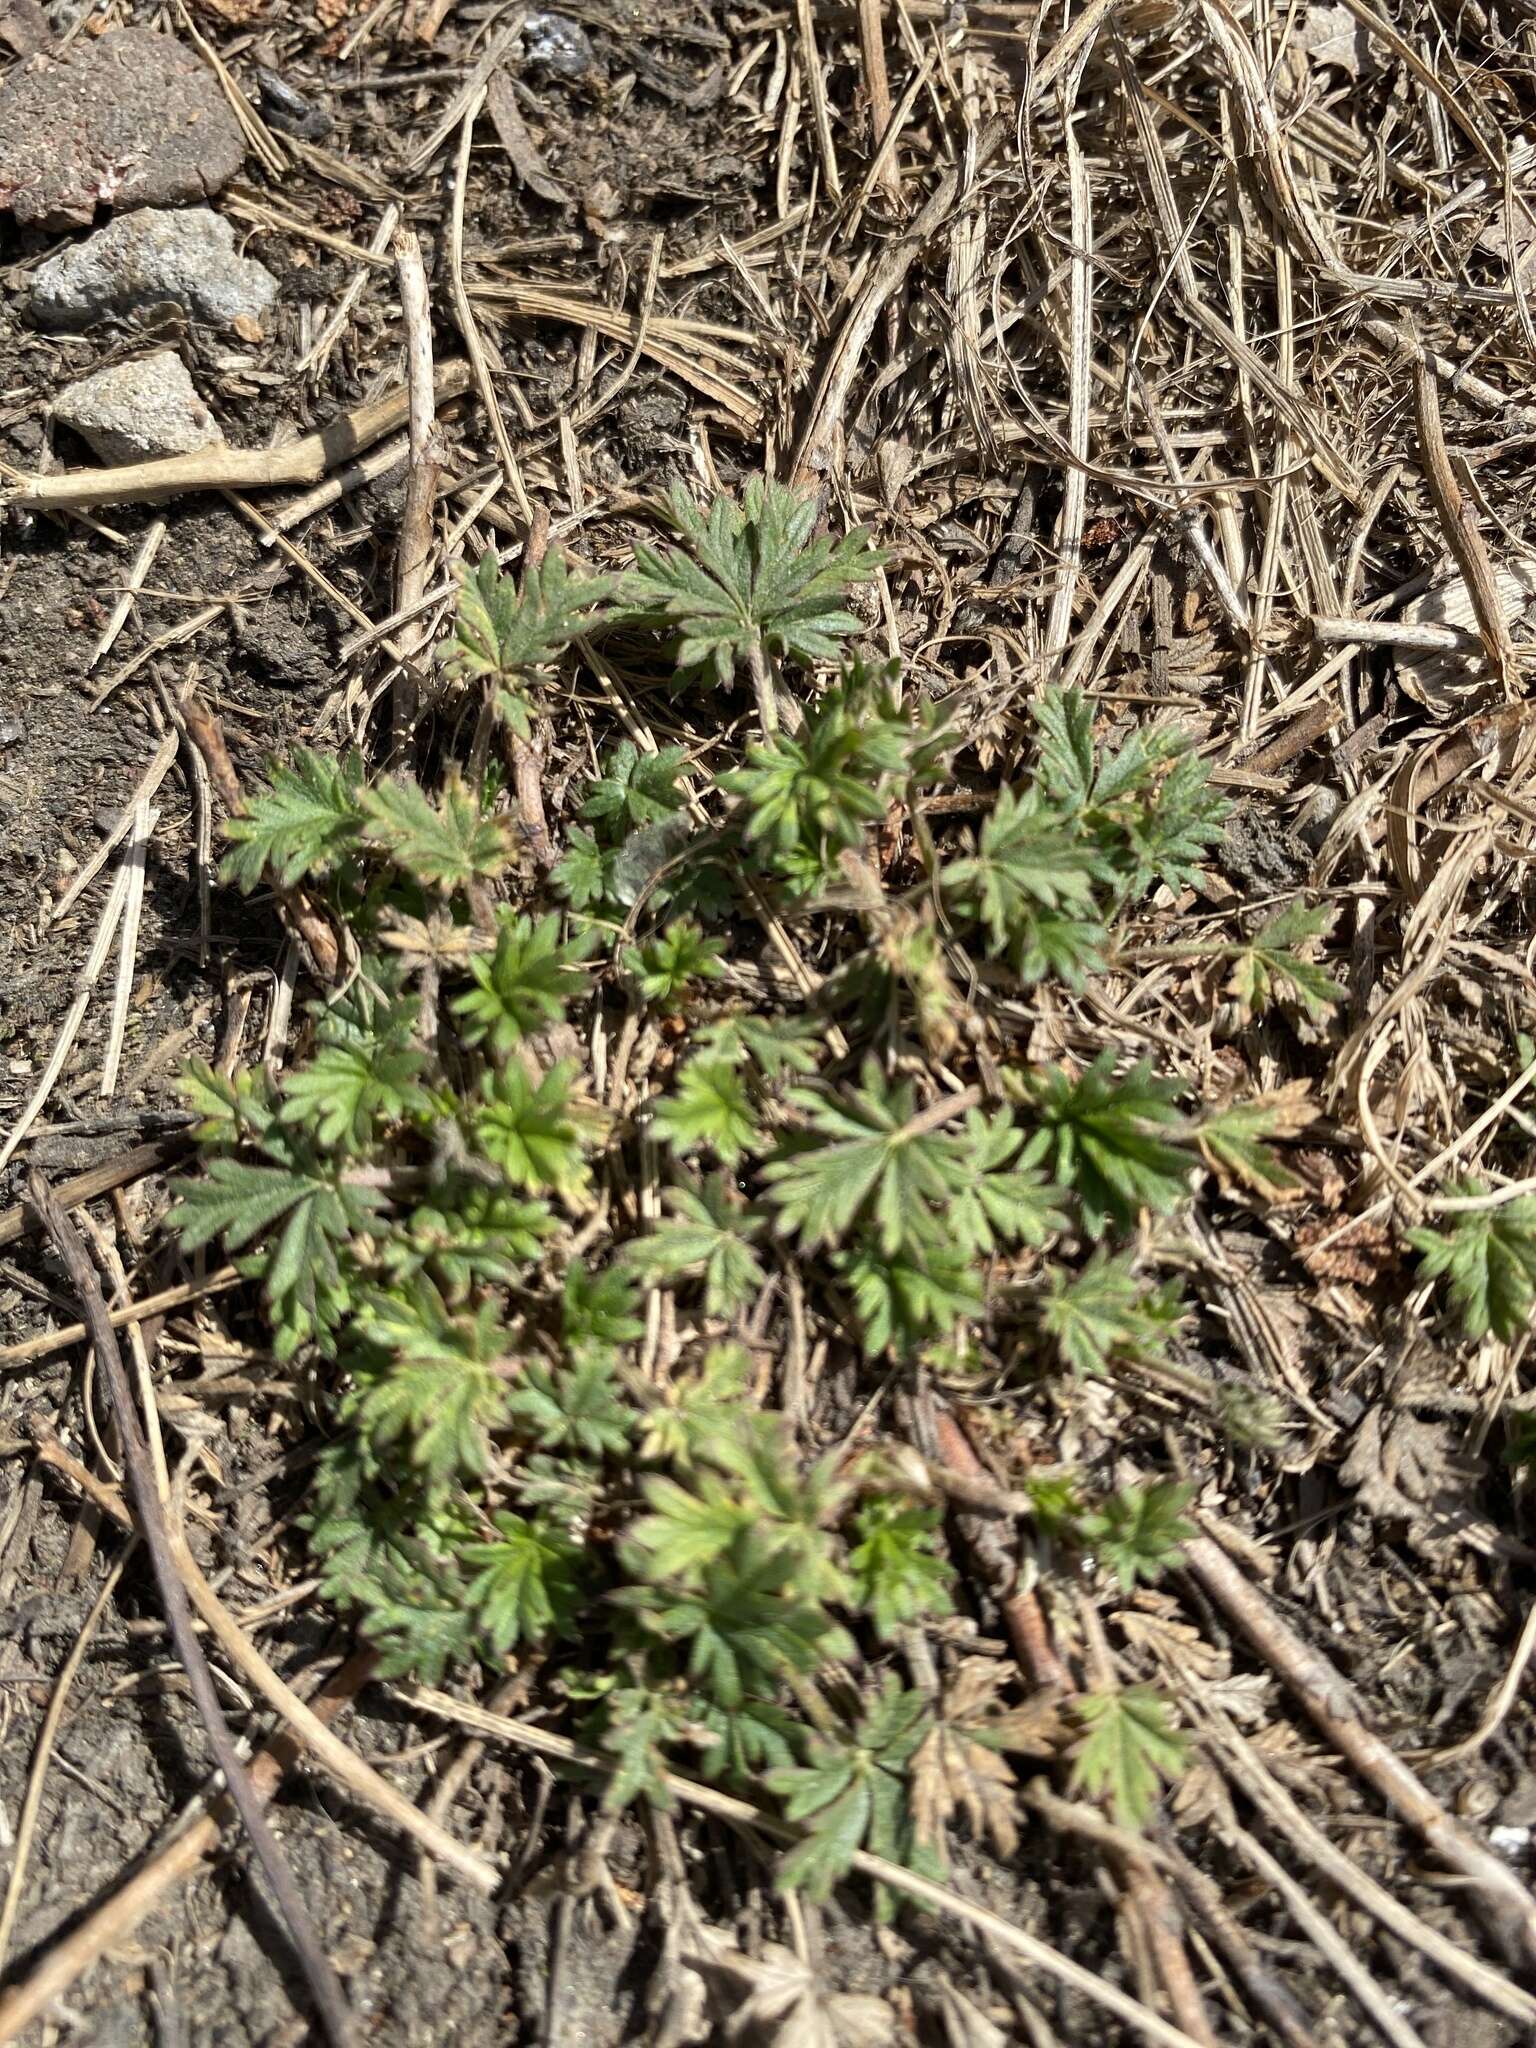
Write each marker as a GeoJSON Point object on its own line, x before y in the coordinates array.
{"type": "Point", "coordinates": [500, 1475]}
{"type": "Point", "coordinates": [1089, 834]}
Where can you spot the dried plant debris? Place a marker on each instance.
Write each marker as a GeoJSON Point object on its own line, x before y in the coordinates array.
{"type": "Point", "coordinates": [810, 1090]}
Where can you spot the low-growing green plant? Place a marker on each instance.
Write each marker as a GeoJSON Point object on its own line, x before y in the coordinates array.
{"type": "Point", "coordinates": [507, 1470]}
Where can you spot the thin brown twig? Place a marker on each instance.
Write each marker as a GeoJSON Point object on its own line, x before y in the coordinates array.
{"type": "Point", "coordinates": [706, 1799]}
{"type": "Point", "coordinates": [113, 1922]}
{"type": "Point", "coordinates": [1506, 1906]}
{"type": "Point", "coordinates": [325, 1987]}
{"type": "Point", "coordinates": [413, 543]}
{"type": "Point", "coordinates": [1458, 522]}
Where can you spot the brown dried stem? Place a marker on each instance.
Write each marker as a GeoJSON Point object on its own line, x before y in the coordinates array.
{"type": "Point", "coordinates": [324, 1985]}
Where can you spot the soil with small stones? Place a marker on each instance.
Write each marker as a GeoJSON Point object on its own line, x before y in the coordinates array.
{"type": "Point", "coordinates": [648, 143]}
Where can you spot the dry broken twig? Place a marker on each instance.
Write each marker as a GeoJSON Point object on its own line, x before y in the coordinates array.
{"type": "Point", "coordinates": [324, 1985]}
{"type": "Point", "coordinates": [220, 468]}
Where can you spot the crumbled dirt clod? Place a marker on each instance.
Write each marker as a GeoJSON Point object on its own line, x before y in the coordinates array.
{"type": "Point", "coordinates": [133, 119]}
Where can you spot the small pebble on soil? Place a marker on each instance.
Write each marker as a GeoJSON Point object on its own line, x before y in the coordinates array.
{"type": "Point", "coordinates": [186, 256]}
{"type": "Point", "coordinates": [133, 412]}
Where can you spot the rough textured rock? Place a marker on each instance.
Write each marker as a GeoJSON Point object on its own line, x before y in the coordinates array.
{"type": "Point", "coordinates": [133, 412]}
{"type": "Point", "coordinates": [147, 258]}
{"type": "Point", "coordinates": [131, 119]}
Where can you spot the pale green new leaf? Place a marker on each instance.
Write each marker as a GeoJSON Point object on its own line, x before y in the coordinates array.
{"type": "Point", "coordinates": [444, 845]}
{"type": "Point", "coordinates": [527, 1128]}
{"type": "Point", "coordinates": [1130, 1751]}
{"type": "Point", "coordinates": [710, 1236]}
{"type": "Point", "coordinates": [710, 1108]}
{"type": "Point", "coordinates": [302, 826]}
{"type": "Point", "coordinates": [521, 986]}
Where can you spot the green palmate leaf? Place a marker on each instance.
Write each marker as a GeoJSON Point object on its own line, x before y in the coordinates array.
{"type": "Point", "coordinates": [1148, 805]}
{"type": "Point", "coordinates": [504, 629]}
{"type": "Point", "coordinates": [307, 1211]}
{"type": "Point", "coordinates": [584, 872]}
{"type": "Point", "coordinates": [1271, 965]}
{"type": "Point", "coordinates": [232, 1111]}
{"type": "Point", "coordinates": [346, 1091]}
{"type": "Point", "coordinates": [1031, 885]}
{"type": "Point", "coordinates": [635, 1731]}
{"type": "Point", "coordinates": [1140, 1530]}
{"type": "Point", "coordinates": [1001, 1201]}
{"type": "Point", "coordinates": [1105, 1312]}
{"type": "Point", "coordinates": [1103, 1140]}
{"type": "Point", "coordinates": [710, 1234]}
{"type": "Point", "coordinates": [898, 1573]}
{"type": "Point", "coordinates": [444, 845]}
{"type": "Point", "coordinates": [1069, 764]}
{"type": "Point", "coordinates": [776, 1045]}
{"type": "Point", "coordinates": [527, 1128]}
{"type": "Point", "coordinates": [1167, 835]}
{"type": "Point", "coordinates": [854, 1794]}
{"type": "Point", "coordinates": [744, 1742]}
{"type": "Point", "coordinates": [307, 821]}
{"type": "Point", "coordinates": [710, 1109]}
{"type": "Point", "coordinates": [426, 1381]}
{"type": "Point", "coordinates": [470, 1236]}
{"type": "Point", "coordinates": [809, 796]}
{"type": "Point", "coordinates": [865, 1159]}
{"type": "Point", "coordinates": [599, 1310]}
{"type": "Point", "coordinates": [749, 576]}
{"type": "Point", "coordinates": [418, 1629]}
{"type": "Point", "coordinates": [635, 788]}
{"type": "Point", "coordinates": [793, 1510]}
{"type": "Point", "coordinates": [687, 1529]}
{"type": "Point", "coordinates": [1130, 1750]}
{"type": "Point", "coordinates": [520, 987]}
{"type": "Point", "coordinates": [696, 1409]}
{"type": "Point", "coordinates": [903, 1299]}
{"type": "Point", "coordinates": [665, 968]}
{"type": "Point", "coordinates": [528, 1583]}
{"type": "Point", "coordinates": [745, 1625]}
{"type": "Point", "coordinates": [574, 1408]}
{"type": "Point", "coordinates": [1489, 1258]}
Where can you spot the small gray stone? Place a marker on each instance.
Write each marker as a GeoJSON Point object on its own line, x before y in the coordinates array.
{"type": "Point", "coordinates": [558, 44]}
{"type": "Point", "coordinates": [133, 412]}
{"type": "Point", "coordinates": [129, 119]}
{"type": "Point", "coordinates": [147, 258]}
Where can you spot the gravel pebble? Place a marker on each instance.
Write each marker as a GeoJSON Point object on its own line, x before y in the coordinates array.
{"type": "Point", "coordinates": [147, 258]}
{"type": "Point", "coordinates": [133, 412]}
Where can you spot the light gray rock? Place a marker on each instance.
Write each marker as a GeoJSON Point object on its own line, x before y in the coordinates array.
{"type": "Point", "coordinates": [146, 258]}
{"type": "Point", "coordinates": [133, 412]}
